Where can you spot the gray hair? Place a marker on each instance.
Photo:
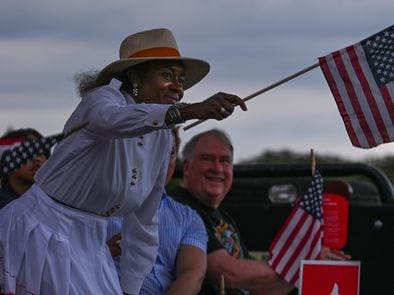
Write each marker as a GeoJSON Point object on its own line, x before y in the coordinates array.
{"type": "Point", "coordinates": [89, 80]}
{"type": "Point", "coordinates": [86, 81]}
{"type": "Point", "coordinates": [190, 146]}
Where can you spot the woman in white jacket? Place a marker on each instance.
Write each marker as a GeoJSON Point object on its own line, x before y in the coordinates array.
{"type": "Point", "coordinates": [53, 238]}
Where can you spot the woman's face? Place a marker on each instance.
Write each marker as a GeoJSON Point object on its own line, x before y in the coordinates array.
{"type": "Point", "coordinates": [162, 83]}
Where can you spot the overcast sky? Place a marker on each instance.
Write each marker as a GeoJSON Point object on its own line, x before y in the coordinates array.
{"type": "Point", "coordinates": [250, 44]}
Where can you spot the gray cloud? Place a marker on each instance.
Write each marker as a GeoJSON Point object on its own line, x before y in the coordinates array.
{"type": "Point", "coordinates": [250, 44]}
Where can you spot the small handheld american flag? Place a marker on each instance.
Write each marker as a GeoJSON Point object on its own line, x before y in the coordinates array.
{"type": "Point", "coordinates": [361, 79]}
{"type": "Point", "coordinates": [301, 234]}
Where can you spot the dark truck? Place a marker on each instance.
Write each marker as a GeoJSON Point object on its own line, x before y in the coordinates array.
{"type": "Point", "coordinates": [262, 197]}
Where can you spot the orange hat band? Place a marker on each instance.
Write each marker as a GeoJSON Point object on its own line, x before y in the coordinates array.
{"type": "Point", "coordinates": [156, 52]}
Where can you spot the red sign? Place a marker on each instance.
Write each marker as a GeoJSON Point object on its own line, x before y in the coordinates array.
{"type": "Point", "coordinates": [324, 277]}
{"type": "Point", "coordinates": [335, 220]}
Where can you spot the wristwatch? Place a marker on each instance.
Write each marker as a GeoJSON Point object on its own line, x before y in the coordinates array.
{"type": "Point", "coordinates": [173, 115]}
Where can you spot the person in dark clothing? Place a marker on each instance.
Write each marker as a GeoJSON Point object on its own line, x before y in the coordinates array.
{"type": "Point", "coordinates": [16, 182]}
{"type": "Point", "coordinates": [223, 233]}
{"type": "Point", "coordinates": [207, 178]}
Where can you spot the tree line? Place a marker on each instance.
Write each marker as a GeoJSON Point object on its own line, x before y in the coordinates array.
{"type": "Point", "coordinates": [386, 163]}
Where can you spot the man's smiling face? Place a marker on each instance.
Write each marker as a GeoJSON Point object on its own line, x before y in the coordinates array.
{"type": "Point", "coordinates": [208, 173]}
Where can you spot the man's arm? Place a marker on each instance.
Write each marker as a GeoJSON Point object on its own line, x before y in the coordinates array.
{"type": "Point", "coordinates": [191, 264]}
{"type": "Point", "coordinates": [328, 254]}
{"type": "Point", "coordinates": [243, 273]}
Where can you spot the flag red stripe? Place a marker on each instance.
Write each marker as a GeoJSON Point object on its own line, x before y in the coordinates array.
{"type": "Point", "coordinates": [296, 251]}
{"type": "Point", "coordinates": [339, 101]}
{"type": "Point", "coordinates": [10, 141]}
{"type": "Point", "coordinates": [315, 243]}
{"type": "Point", "coordinates": [313, 235]}
{"type": "Point", "coordinates": [284, 227]}
{"type": "Point", "coordinates": [388, 101]}
{"type": "Point", "coordinates": [353, 98]}
{"type": "Point", "coordinates": [291, 237]}
{"type": "Point", "coordinates": [368, 94]}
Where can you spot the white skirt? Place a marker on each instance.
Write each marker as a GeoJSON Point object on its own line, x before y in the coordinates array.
{"type": "Point", "coordinates": [48, 248]}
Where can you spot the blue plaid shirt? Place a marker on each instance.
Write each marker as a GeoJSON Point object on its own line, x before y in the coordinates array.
{"type": "Point", "coordinates": [178, 225]}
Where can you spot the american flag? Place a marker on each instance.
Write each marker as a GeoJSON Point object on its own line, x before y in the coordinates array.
{"type": "Point", "coordinates": [17, 152]}
{"type": "Point", "coordinates": [361, 79]}
{"type": "Point", "coordinates": [300, 235]}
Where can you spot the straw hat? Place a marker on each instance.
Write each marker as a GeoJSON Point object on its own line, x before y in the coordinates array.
{"type": "Point", "coordinates": [157, 44]}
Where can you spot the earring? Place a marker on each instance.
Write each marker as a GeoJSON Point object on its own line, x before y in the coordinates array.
{"type": "Point", "coordinates": [135, 90]}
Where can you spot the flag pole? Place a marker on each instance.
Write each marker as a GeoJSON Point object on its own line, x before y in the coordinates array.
{"type": "Point", "coordinates": [222, 286]}
{"type": "Point", "coordinates": [313, 162]}
{"type": "Point", "coordinates": [284, 80]}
